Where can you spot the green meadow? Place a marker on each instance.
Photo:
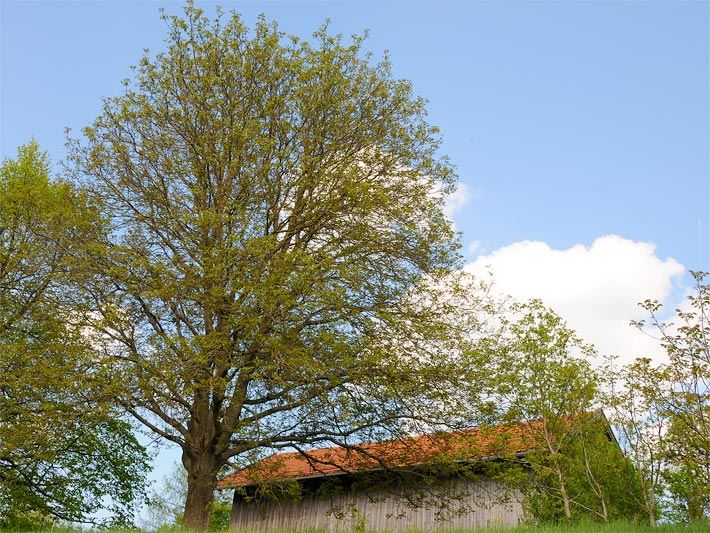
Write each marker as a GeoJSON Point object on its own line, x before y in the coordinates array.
{"type": "Point", "coordinates": [616, 527]}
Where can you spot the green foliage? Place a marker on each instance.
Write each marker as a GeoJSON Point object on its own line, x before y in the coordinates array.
{"type": "Point", "coordinates": [662, 411]}
{"type": "Point", "coordinates": [544, 370]}
{"type": "Point", "coordinates": [61, 451]}
{"type": "Point", "coordinates": [640, 424]}
{"type": "Point", "coordinates": [18, 519]}
{"type": "Point", "coordinates": [544, 379]}
{"type": "Point", "coordinates": [595, 471]}
{"type": "Point", "coordinates": [276, 264]}
{"type": "Point", "coordinates": [220, 516]}
{"type": "Point", "coordinates": [274, 491]}
{"type": "Point", "coordinates": [686, 402]}
{"type": "Point", "coordinates": [689, 499]}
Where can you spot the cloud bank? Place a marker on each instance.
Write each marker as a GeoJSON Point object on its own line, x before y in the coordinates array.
{"type": "Point", "coordinates": [595, 288]}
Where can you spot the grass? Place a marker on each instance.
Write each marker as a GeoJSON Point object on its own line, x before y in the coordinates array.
{"type": "Point", "coordinates": [617, 527]}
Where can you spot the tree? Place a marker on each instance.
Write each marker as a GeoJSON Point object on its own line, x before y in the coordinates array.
{"type": "Point", "coordinates": [274, 248]}
{"type": "Point", "coordinates": [541, 383]}
{"type": "Point", "coordinates": [61, 450]}
{"type": "Point", "coordinates": [680, 394]}
{"type": "Point", "coordinates": [686, 476]}
{"type": "Point", "coordinates": [543, 378]}
{"type": "Point", "coordinates": [641, 422]}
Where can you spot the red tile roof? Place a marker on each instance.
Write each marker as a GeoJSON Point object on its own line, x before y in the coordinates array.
{"type": "Point", "coordinates": [480, 443]}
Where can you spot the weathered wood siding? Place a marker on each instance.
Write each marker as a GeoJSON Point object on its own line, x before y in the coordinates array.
{"type": "Point", "coordinates": [482, 503]}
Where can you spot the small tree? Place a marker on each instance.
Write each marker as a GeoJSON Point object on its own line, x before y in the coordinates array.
{"type": "Point", "coordinates": [541, 383]}
{"type": "Point", "coordinates": [641, 422]}
{"type": "Point", "coordinates": [679, 391]}
{"type": "Point", "coordinates": [544, 378]}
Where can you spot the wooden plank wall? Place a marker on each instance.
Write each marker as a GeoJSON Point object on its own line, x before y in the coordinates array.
{"type": "Point", "coordinates": [481, 503]}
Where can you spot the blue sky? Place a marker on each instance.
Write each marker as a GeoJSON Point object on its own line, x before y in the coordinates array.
{"type": "Point", "coordinates": [568, 120]}
{"type": "Point", "coordinates": [580, 130]}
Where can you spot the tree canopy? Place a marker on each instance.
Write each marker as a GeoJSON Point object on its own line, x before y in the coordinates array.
{"type": "Point", "coordinates": [274, 246]}
{"type": "Point", "coordinates": [61, 450]}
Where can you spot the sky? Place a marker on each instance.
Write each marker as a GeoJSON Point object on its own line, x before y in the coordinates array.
{"type": "Point", "coordinates": [580, 130]}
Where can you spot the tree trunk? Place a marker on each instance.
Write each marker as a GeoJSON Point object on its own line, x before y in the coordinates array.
{"type": "Point", "coordinates": [596, 487]}
{"type": "Point", "coordinates": [648, 502]}
{"type": "Point", "coordinates": [651, 515]}
{"type": "Point", "coordinates": [201, 484]}
{"type": "Point", "coordinates": [553, 450]}
{"type": "Point", "coordinates": [563, 492]}
{"type": "Point", "coordinates": [605, 511]}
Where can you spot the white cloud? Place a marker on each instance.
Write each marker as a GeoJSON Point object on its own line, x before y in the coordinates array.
{"type": "Point", "coordinates": [457, 200]}
{"type": "Point", "coordinates": [596, 288]}
{"type": "Point", "coordinates": [474, 248]}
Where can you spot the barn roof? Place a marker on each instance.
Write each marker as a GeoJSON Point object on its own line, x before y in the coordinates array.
{"type": "Point", "coordinates": [474, 444]}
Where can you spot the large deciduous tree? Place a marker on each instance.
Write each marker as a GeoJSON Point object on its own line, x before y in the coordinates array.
{"type": "Point", "coordinates": [62, 452]}
{"type": "Point", "coordinates": [275, 247]}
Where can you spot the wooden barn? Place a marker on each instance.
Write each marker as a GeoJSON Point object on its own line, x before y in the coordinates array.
{"type": "Point", "coordinates": [430, 482]}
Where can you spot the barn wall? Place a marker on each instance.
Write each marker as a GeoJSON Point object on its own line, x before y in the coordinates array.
{"type": "Point", "coordinates": [481, 503]}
